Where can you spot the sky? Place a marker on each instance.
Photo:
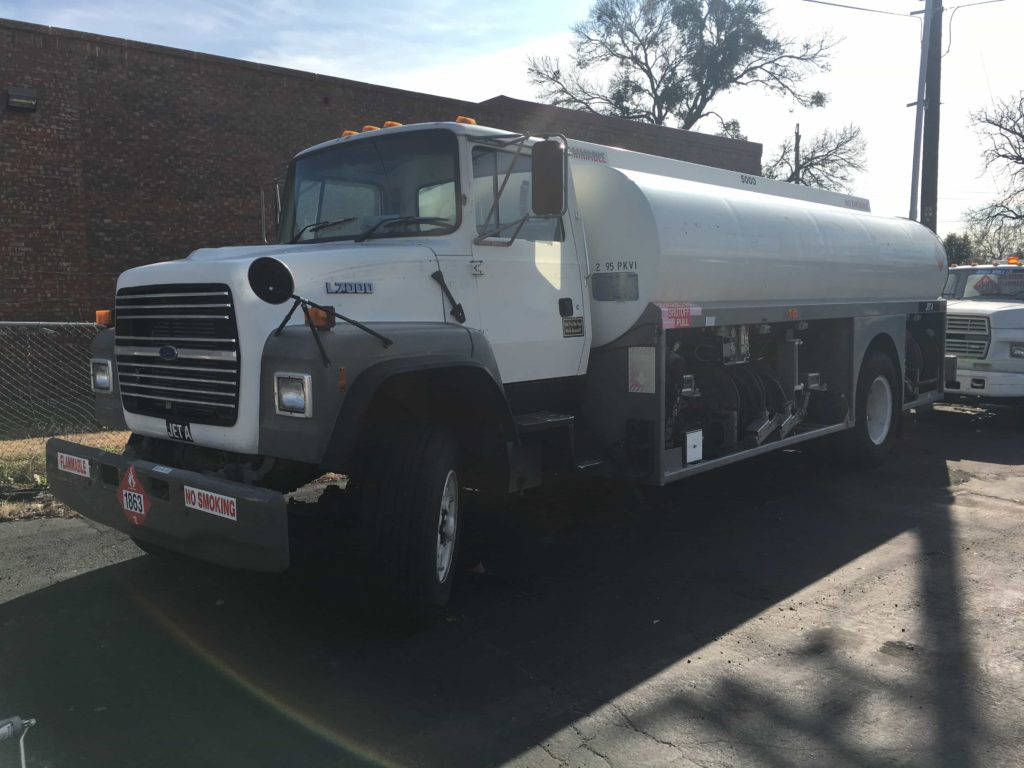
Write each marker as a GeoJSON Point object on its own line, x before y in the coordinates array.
{"type": "Point", "coordinates": [478, 50]}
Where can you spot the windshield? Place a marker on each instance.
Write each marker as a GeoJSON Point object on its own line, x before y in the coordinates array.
{"type": "Point", "coordinates": [399, 185]}
{"type": "Point", "coordinates": [1005, 283]}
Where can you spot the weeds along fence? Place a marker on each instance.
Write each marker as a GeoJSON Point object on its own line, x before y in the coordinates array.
{"type": "Point", "coordinates": [44, 379]}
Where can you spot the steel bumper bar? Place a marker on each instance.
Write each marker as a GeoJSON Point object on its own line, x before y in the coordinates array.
{"type": "Point", "coordinates": [251, 533]}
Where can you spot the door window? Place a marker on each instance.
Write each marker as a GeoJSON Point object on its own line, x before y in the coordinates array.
{"type": "Point", "coordinates": [489, 169]}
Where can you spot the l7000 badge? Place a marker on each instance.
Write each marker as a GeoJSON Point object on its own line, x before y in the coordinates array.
{"type": "Point", "coordinates": [348, 287]}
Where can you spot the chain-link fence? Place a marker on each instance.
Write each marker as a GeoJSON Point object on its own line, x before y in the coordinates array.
{"type": "Point", "coordinates": [44, 379]}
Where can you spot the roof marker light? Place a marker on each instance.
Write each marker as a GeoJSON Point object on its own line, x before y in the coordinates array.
{"type": "Point", "coordinates": [465, 120]}
{"type": "Point", "coordinates": [392, 124]}
{"type": "Point", "coordinates": [346, 134]}
{"type": "Point", "coordinates": [370, 128]}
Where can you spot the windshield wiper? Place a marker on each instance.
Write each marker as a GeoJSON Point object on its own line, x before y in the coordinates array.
{"type": "Point", "coordinates": [316, 226]}
{"type": "Point", "coordinates": [401, 220]}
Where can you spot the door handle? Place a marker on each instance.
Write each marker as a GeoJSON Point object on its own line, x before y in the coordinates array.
{"type": "Point", "coordinates": [565, 308]}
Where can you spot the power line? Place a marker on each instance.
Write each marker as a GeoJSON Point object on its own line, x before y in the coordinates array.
{"type": "Point", "coordinates": [870, 10]}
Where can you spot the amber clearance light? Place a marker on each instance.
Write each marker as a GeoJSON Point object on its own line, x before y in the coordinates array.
{"type": "Point", "coordinates": [321, 319]}
{"type": "Point", "coordinates": [105, 317]}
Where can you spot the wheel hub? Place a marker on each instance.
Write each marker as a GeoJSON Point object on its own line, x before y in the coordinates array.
{"type": "Point", "coordinates": [878, 410]}
{"type": "Point", "coordinates": [447, 526]}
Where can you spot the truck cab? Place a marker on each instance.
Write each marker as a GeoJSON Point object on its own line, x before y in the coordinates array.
{"type": "Point", "coordinates": [985, 329]}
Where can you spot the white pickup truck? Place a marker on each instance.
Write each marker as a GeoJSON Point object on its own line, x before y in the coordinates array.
{"type": "Point", "coordinates": [985, 330]}
{"type": "Point", "coordinates": [452, 308]}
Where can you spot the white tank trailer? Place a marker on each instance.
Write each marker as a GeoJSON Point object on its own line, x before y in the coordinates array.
{"type": "Point", "coordinates": [694, 239]}
{"type": "Point", "coordinates": [451, 307]}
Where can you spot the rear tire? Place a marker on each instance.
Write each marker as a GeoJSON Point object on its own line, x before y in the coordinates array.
{"type": "Point", "coordinates": [877, 412]}
{"type": "Point", "coordinates": [409, 524]}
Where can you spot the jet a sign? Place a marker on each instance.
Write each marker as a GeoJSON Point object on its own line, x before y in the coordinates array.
{"type": "Point", "coordinates": [335, 287]}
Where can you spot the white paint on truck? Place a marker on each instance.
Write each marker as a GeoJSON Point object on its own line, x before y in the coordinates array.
{"type": "Point", "coordinates": [690, 240]}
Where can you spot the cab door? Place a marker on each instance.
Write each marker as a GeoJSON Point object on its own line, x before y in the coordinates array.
{"type": "Point", "coordinates": [530, 290]}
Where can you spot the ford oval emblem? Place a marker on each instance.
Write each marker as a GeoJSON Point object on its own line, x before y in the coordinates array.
{"type": "Point", "coordinates": [169, 352]}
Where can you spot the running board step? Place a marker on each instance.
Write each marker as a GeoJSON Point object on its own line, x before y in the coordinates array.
{"type": "Point", "coordinates": [543, 420]}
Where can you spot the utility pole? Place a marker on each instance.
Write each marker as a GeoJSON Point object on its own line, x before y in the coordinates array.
{"type": "Point", "coordinates": [930, 143]}
{"type": "Point", "coordinates": [796, 154]}
{"type": "Point", "coordinates": [915, 173]}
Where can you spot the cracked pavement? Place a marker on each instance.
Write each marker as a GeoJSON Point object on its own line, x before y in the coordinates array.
{"type": "Point", "coordinates": [780, 612]}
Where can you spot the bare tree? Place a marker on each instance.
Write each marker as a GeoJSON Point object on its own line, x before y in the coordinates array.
{"type": "Point", "coordinates": [827, 160]}
{"type": "Point", "coordinates": [1001, 128]}
{"type": "Point", "coordinates": [670, 59]}
{"type": "Point", "coordinates": [993, 240]}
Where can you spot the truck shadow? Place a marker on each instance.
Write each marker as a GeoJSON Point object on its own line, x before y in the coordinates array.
{"type": "Point", "coordinates": [585, 594]}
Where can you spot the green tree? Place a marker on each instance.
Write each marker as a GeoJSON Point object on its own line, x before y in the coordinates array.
{"type": "Point", "coordinates": [958, 249]}
{"type": "Point", "coordinates": [827, 160]}
{"type": "Point", "coordinates": [666, 61]}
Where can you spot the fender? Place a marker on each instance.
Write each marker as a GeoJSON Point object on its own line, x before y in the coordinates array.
{"type": "Point", "coordinates": [359, 367]}
{"type": "Point", "coordinates": [109, 412]}
{"type": "Point", "coordinates": [350, 419]}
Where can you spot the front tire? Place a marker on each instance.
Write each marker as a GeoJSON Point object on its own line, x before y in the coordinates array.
{"type": "Point", "coordinates": [877, 411]}
{"type": "Point", "coordinates": [409, 524]}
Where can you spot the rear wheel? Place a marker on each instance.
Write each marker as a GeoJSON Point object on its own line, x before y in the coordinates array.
{"type": "Point", "coordinates": [877, 411]}
{"type": "Point", "coordinates": [409, 524]}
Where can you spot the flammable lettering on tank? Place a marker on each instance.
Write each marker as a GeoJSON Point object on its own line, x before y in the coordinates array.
{"type": "Point", "coordinates": [678, 314]}
{"type": "Point", "coordinates": [572, 326]}
{"type": "Point", "coordinates": [593, 155]}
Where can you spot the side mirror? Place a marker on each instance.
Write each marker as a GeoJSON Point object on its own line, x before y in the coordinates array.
{"type": "Point", "coordinates": [548, 179]}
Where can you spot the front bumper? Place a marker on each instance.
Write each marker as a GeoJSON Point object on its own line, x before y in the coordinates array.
{"type": "Point", "coordinates": [987, 384]}
{"type": "Point", "coordinates": [254, 536]}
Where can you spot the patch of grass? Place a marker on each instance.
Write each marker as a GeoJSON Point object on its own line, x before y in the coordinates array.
{"type": "Point", "coordinates": [23, 492]}
{"type": "Point", "coordinates": [23, 462]}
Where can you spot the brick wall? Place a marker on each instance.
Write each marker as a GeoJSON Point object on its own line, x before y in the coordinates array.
{"type": "Point", "coordinates": [140, 153]}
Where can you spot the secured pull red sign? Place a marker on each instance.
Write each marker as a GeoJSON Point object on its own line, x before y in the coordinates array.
{"type": "Point", "coordinates": [133, 498]}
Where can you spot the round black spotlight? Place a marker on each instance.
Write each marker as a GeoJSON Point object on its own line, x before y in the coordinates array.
{"type": "Point", "coordinates": [271, 280]}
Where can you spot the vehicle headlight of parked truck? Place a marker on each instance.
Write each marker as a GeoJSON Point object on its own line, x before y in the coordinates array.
{"type": "Point", "coordinates": [451, 306]}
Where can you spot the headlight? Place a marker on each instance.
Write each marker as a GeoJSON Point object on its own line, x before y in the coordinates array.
{"type": "Point", "coordinates": [293, 393]}
{"type": "Point", "coordinates": [101, 378]}
{"type": "Point", "coordinates": [1017, 350]}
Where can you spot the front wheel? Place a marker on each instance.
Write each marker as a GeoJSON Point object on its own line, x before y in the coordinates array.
{"type": "Point", "coordinates": [409, 523]}
{"type": "Point", "coordinates": [877, 411]}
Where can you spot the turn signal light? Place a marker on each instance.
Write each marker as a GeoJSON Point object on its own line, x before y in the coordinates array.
{"type": "Point", "coordinates": [346, 134]}
{"type": "Point", "coordinates": [105, 317]}
{"type": "Point", "coordinates": [1013, 260]}
{"type": "Point", "coordinates": [321, 319]}
{"type": "Point", "coordinates": [392, 124]}
{"type": "Point", "coordinates": [371, 128]}
{"type": "Point", "coordinates": [465, 120]}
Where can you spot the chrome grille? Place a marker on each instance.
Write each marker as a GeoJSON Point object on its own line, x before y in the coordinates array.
{"type": "Point", "coordinates": [975, 350]}
{"type": "Point", "coordinates": [967, 337]}
{"type": "Point", "coordinates": [966, 324]}
{"type": "Point", "coordinates": [177, 352]}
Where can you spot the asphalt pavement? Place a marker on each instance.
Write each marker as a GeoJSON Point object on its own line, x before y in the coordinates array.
{"type": "Point", "coordinates": [778, 612]}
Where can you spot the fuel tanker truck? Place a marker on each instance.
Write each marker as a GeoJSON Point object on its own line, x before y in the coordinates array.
{"type": "Point", "coordinates": [453, 309]}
